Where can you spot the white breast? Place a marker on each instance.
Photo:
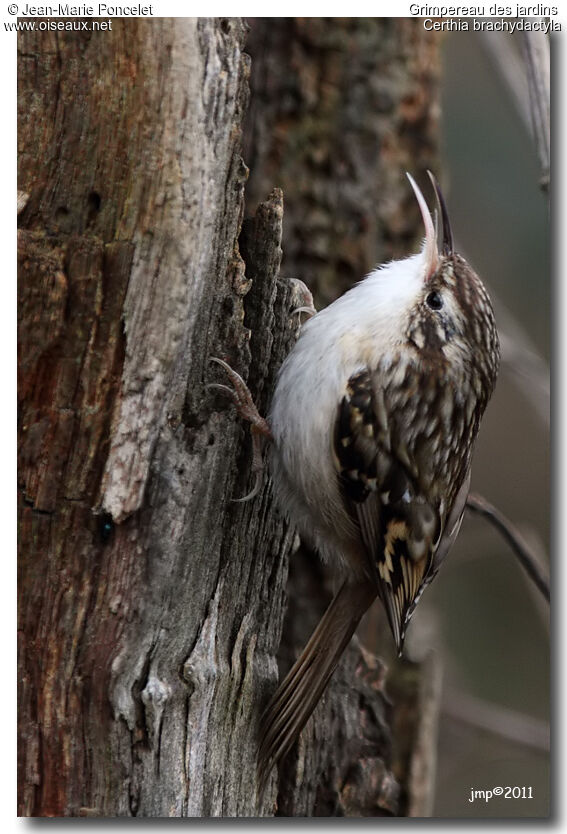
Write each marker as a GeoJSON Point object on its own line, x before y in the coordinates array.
{"type": "Point", "coordinates": [356, 331]}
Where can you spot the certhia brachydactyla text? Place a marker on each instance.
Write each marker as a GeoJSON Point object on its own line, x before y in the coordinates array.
{"type": "Point", "coordinates": [373, 421]}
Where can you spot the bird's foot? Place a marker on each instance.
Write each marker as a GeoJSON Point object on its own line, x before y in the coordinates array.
{"type": "Point", "coordinates": [246, 408]}
{"type": "Point", "coordinates": [302, 295]}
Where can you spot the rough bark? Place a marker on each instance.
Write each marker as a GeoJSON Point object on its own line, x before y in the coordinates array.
{"type": "Point", "coordinates": [339, 110]}
{"type": "Point", "coordinates": [150, 604]}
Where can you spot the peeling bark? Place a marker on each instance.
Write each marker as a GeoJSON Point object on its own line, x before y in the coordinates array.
{"type": "Point", "coordinates": [148, 619]}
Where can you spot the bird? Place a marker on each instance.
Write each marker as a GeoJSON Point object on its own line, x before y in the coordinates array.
{"type": "Point", "coordinates": [372, 424]}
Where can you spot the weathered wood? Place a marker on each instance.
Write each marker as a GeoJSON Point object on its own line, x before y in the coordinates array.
{"type": "Point", "coordinates": [150, 605]}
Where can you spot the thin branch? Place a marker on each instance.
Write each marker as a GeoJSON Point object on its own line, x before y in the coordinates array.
{"type": "Point", "coordinates": [528, 84]}
{"type": "Point", "coordinates": [494, 718]}
{"type": "Point", "coordinates": [525, 554]}
{"type": "Point", "coordinates": [508, 62]}
{"type": "Point", "coordinates": [536, 50]}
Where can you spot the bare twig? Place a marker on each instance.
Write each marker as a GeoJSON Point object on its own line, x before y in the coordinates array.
{"type": "Point", "coordinates": [536, 50]}
{"type": "Point", "coordinates": [494, 718]}
{"type": "Point", "coordinates": [528, 84]}
{"type": "Point", "coordinates": [480, 505]}
{"type": "Point", "coordinates": [506, 58]}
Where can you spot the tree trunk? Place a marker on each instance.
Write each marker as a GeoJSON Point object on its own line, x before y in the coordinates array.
{"type": "Point", "coordinates": [150, 604]}
{"type": "Point", "coordinates": [339, 110]}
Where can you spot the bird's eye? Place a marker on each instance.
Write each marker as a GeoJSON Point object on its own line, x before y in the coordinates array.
{"type": "Point", "coordinates": [434, 300]}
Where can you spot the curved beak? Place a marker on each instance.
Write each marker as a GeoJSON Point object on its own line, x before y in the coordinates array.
{"type": "Point", "coordinates": [447, 235]}
{"type": "Point", "coordinates": [430, 244]}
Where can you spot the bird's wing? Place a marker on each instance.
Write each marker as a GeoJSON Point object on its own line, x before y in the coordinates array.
{"type": "Point", "coordinates": [399, 524]}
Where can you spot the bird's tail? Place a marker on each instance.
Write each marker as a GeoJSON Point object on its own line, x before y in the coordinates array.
{"type": "Point", "coordinates": [297, 696]}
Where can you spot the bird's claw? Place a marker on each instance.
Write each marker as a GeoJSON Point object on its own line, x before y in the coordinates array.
{"type": "Point", "coordinates": [310, 311]}
{"type": "Point", "coordinates": [246, 407]}
{"type": "Point", "coordinates": [255, 489]}
{"type": "Point", "coordinates": [241, 397]}
{"type": "Point", "coordinates": [302, 293]}
{"type": "Point", "coordinates": [226, 389]}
